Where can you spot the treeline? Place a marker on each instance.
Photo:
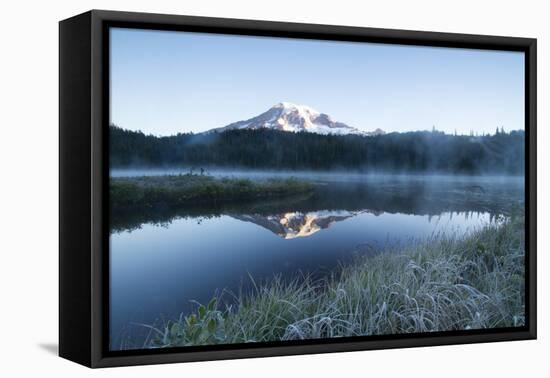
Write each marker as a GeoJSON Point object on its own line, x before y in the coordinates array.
{"type": "Point", "coordinates": [269, 149]}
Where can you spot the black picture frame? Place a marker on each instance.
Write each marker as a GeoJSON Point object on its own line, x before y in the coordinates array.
{"type": "Point", "coordinates": [83, 181]}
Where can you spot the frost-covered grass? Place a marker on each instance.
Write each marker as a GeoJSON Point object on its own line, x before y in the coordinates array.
{"type": "Point", "coordinates": [182, 189]}
{"type": "Point", "coordinates": [440, 284]}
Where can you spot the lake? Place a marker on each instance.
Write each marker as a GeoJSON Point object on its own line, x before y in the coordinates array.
{"type": "Point", "coordinates": [163, 261]}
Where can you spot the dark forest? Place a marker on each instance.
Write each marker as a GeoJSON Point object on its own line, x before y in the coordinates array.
{"type": "Point", "coordinates": [421, 151]}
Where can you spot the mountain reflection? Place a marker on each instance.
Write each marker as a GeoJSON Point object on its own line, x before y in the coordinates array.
{"type": "Point", "coordinates": [297, 224]}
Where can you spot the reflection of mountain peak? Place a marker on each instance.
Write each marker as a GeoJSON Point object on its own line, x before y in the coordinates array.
{"type": "Point", "coordinates": [298, 224]}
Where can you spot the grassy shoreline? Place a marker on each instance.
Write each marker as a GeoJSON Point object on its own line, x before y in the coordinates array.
{"type": "Point", "coordinates": [183, 189]}
{"type": "Point", "coordinates": [440, 284]}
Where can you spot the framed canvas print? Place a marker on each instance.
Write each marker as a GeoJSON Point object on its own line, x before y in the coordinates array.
{"type": "Point", "coordinates": [234, 188]}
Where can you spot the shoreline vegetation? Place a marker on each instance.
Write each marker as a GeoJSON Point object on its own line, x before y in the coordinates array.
{"type": "Point", "coordinates": [442, 283]}
{"type": "Point", "coordinates": [174, 190]}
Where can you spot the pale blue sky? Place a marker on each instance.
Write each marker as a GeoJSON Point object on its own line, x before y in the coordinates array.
{"type": "Point", "coordinates": [165, 82]}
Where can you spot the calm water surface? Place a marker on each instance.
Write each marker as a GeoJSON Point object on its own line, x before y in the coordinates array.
{"type": "Point", "coordinates": [162, 260]}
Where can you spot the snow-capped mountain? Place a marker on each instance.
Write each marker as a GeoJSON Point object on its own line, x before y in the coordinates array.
{"type": "Point", "coordinates": [286, 116]}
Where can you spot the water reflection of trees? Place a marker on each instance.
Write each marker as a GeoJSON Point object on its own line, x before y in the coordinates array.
{"type": "Point", "coordinates": [432, 199]}
{"type": "Point", "coordinates": [470, 214]}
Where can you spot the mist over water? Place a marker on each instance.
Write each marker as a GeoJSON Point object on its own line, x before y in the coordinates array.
{"type": "Point", "coordinates": [331, 175]}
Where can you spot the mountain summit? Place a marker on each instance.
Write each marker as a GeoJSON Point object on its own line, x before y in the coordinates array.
{"type": "Point", "coordinates": [286, 116]}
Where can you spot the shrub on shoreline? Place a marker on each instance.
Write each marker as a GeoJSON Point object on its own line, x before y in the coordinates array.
{"type": "Point", "coordinates": [181, 189]}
